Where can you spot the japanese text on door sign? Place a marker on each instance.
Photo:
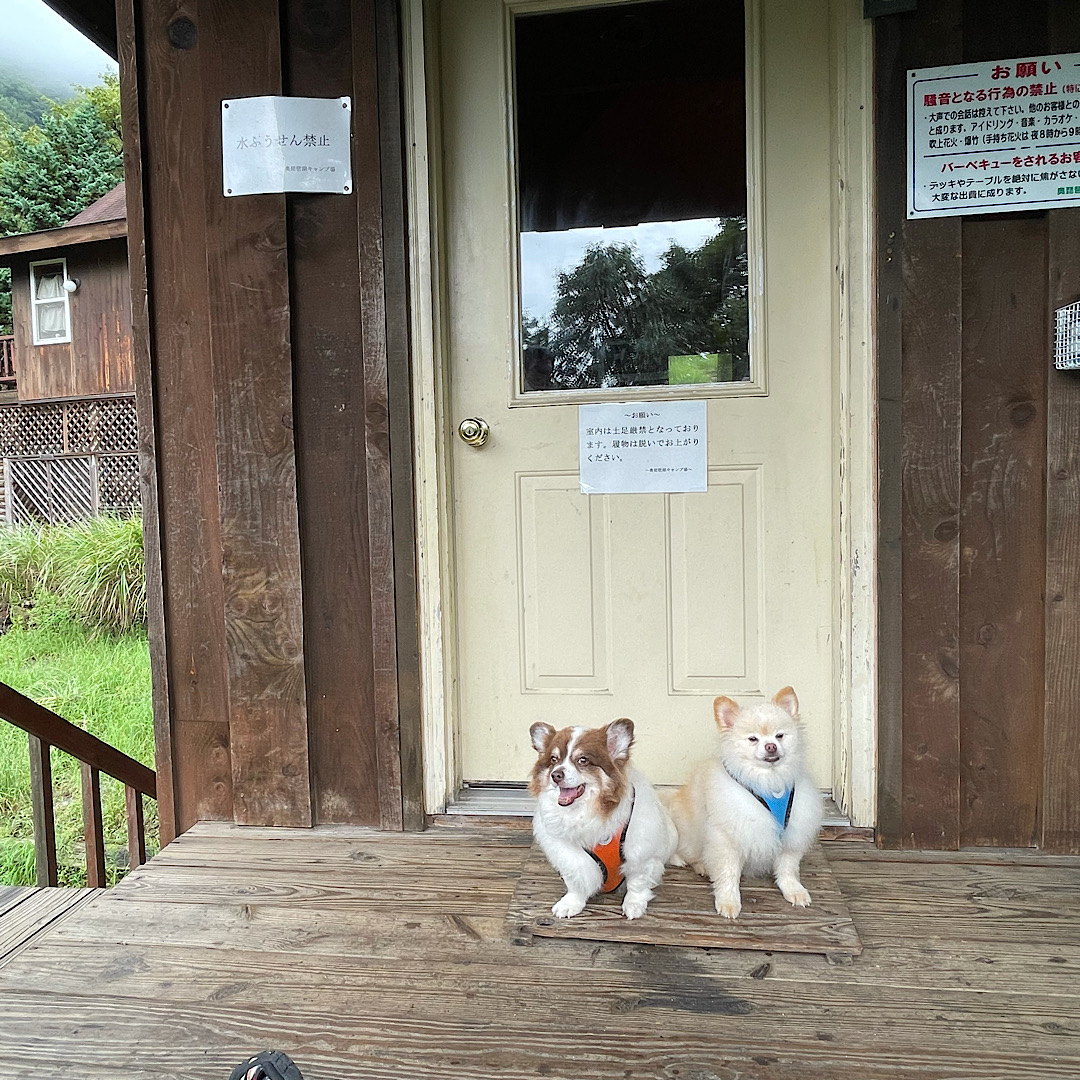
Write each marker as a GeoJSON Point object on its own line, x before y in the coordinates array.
{"type": "Point", "coordinates": [994, 137]}
{"type": "Point", "coordinates": [642, 447]}
{"type": "Point", "coordinates": [273, 144]}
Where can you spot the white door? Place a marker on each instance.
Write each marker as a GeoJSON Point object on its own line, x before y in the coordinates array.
{"type": "Point", "coordinates": [583, 142]}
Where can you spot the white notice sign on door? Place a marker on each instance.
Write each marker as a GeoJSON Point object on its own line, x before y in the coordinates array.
{"type": "Point", "coordinates": [644, 446]}
{"type": "Point", "coordinates": [271, 144]}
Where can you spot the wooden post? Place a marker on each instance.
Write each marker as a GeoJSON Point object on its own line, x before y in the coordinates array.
{"type": "Point", "coordinates": [136, 828]}
{"type": "Point", "coordinates": [93, 831]}
{"type": "Point", "coordinates": [1059, 810]}
{"type": "Point", "coordinates": [41, 794]}
{"type": "Point", "coordinates": [131, 99]}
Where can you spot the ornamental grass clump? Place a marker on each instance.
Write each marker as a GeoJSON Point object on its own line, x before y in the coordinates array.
{"type": "Point", "coordinates": [96, 569]}
{"type": "Point", "coordinates": [92, 570]}
{"type": "Point", "coordinates": [22, 561]}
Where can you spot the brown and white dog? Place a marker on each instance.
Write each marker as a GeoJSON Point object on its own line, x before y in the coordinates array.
{"type": "Point", "coordinates": [597, 819]}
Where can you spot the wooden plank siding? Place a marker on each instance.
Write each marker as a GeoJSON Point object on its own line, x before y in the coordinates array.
{"type": "Point", "coordinates": [147, 420]}
{"type": "Point", "coordinates": [979, 716]}
{"type": "Point", "coordinates": [248, 298]}
{"type": "Point", "coordinates": [331, 405]}
{"type": "Point", "coordinates": [173, 151]}
{"type": "Point", "coordinates": [269, 335]}
{"type": "Point", "coordinates": [1059, 818]}
{"type": "Point", "coordinates": [98, 360]}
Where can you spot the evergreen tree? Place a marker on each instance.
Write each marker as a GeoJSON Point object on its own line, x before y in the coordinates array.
{"type": "Point", "coordinates": [614, 324]}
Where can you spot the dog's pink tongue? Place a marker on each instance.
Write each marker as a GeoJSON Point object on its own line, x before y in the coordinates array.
{"type": "Point", "coordinates": [568, 794]}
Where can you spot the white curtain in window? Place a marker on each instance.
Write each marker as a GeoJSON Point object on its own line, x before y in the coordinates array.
{"type": "Point", "coordinates": [50, 284]}
{"type": "Point", "coordinates": [51, 320]}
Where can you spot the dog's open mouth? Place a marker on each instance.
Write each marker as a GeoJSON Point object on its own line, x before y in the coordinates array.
{"type": "Point", "coordinates": [568, 794]}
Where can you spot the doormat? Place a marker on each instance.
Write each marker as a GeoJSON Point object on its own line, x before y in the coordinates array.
{"type": "Point", "coordinates": [683, 913]}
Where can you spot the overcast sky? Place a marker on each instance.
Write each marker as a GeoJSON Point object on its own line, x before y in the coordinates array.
{"type": "Point", "coordinates": [544, 255]}
{"type": "Point", "coordinates": [45, 50]}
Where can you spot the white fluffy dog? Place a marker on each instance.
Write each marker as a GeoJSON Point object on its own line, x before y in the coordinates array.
{"type": "Point", "coordinates": [754, 808]}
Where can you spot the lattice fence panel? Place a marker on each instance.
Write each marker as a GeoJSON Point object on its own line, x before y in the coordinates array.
{"type": "Point", "coordinates": [32, 430]}
{"type": "Point", "coordinates": [51, 489]}
{"type": "Point", "coordinates": [104, 426]}
{"type": "Point", "coordinates": [118, 484]}
{"type": "Point", "coordinates": [92, 426]}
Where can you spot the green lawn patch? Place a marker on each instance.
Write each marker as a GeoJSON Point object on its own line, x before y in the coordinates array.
{"type": "Point", "coordinates": [69, 650]}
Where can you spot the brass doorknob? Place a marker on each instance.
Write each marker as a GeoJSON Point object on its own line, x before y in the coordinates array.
{"type": "Point", "coordinates": [474, 431]}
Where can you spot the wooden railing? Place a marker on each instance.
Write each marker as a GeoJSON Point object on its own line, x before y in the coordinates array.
{"type": "Point", "coordinates": [7, 362]}
{"type": "Point", "coordinates": [47, 730]}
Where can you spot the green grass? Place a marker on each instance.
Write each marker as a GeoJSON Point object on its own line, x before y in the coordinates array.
{"type": "Point", "coordinates": [77, 645]}
{"type": "Point", "coordinates": [94, 568]}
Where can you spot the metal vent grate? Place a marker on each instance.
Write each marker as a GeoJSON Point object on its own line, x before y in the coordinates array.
{"type": "Point", "coordinates": [1067, 337]}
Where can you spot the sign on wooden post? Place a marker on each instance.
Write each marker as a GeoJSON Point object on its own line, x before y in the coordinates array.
{"type": "Point", "coordinates": [275, 144]}
{"type": "Point", "coordinates": [995, 137]}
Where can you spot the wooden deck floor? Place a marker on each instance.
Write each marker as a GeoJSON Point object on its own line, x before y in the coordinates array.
{"type": "Point", "coordinates": [366, 955]}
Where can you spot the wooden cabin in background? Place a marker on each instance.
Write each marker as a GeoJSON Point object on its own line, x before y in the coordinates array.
{"type": "Point", "coordinates": [67, 391]}
{"type": "Point", "coordinates": [354, 607]}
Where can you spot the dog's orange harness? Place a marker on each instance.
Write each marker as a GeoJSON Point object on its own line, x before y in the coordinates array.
{"type": "Point", "coordinates": [609, 855]}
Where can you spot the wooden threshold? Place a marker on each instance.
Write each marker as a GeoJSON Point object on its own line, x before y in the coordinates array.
{"type": "Point", "coordinates": [503, 803]}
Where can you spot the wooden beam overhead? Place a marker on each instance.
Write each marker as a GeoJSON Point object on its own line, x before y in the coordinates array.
{"type": "Point", "coordinates": [95, 19]}
{"type": "Point", "coordinates": [67, 236]}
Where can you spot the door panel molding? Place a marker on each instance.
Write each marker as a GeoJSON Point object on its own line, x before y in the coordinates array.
{"type": "Point", "coordinates": [715, 570]}
{"type": "Point", "coordinates": [565, 633]}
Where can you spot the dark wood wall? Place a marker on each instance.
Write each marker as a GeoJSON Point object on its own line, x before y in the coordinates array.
{"type": "Point", "coordinates": [980, 480]}
{"type": "Point", "coordinates": [98, 359]}
{"type": "Point", "coordinates": [271, 341]}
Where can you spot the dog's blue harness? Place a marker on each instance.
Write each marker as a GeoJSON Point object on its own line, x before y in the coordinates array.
{"type": "Point", "coordinates": [777, 805]}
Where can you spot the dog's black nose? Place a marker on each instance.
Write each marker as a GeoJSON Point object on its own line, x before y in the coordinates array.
{"type": "Point", "coordinates": [557, 775]}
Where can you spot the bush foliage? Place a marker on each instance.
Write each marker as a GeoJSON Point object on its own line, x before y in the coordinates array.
{"type": "Point", "coordinates": [92, 569]}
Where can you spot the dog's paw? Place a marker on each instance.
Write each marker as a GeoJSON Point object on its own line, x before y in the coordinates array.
{"type": "Point", "coordinates": [633, 907]}
{"type": "Point", "coordinates": [796, 895]}
{"type": "Point", "coordinates": [728, 908]}
{"type": "Point", "coordinates": [568, 907]}
{"type": "Point", "coordinates": [676, 860]}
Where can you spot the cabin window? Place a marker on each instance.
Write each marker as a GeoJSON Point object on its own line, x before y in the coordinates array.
{"type": "Point", "coordinates": [50, 310]}
{"type": "Point", "coordinates": [631, 156]}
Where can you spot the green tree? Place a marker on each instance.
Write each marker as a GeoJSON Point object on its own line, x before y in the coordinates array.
{"type": "Point", "coordinates": [614, 324]}
{"type": "Point", "coordinates": [20, 102]}
{"type": "Point", "coordinates": [51, 170]}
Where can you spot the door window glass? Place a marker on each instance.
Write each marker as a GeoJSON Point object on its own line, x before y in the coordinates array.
{"type": "Point", "coordinates": [631, 172]}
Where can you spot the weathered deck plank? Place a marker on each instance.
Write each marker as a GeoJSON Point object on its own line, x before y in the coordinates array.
{"type": "Point", "coordinates": [366, 955]}
{"type": "Point", "coordinates": [26, 912]}
{"type": "Point", "coordinates": [481, 940]}
{"type": "Point", "coordinates": [196, 1041]}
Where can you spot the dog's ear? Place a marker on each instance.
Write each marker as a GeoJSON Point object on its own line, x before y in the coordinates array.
{"type": "Point", "coordinates": [620, 737]}
{"type": "Point", "coordinates": [540, 734]}
{"type": "Point", "coordinates": [724, 711]}
{"type": "Point", "coordinates": [787, 701]}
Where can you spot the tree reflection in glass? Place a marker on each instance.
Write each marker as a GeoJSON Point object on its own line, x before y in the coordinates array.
{"type": "Point", "coordinates": [614, 323]}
